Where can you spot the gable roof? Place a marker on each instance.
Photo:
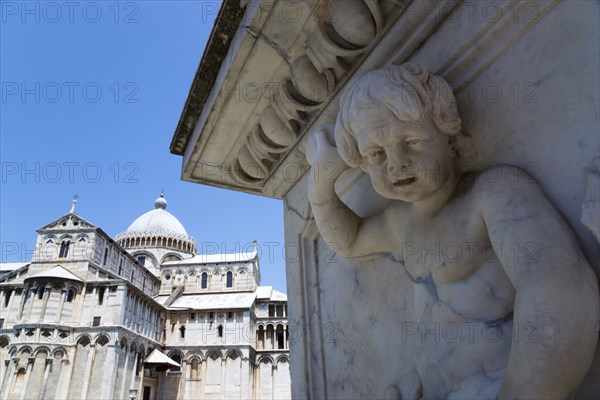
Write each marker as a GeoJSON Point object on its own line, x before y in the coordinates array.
{"type": "Point", "coordinates": [278, 296]}
{"type": "Point", "coordinates": [268, 293]}
{"type": "Point", "coordinates": [57, 272]}
{"type": "Point", "coordinates": [264, 292]}
{"type": "Point", "coordinates": [82, 223]}
{"type": "Point", "coordinates": [156, 357]}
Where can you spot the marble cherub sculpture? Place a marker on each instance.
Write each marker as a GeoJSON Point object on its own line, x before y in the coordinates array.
{"type": "Point", "coordinates": [520, 266]}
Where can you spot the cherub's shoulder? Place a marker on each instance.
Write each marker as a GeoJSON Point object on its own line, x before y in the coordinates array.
{"type": "Point", "coordinates": [504, 180]}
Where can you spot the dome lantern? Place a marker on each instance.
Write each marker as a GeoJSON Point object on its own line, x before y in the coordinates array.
{"type": "Point", "coordinates": [161, 202]}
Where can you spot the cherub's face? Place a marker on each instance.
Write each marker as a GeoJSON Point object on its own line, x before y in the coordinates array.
{"type": "Point", "coordinates": [406, 161]}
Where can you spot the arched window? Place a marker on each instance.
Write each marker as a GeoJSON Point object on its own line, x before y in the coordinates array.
{"type": "Point", "coordinates": [229, 279]}
{"type": "Point", "coordinates": [194, 372]}
{"type": "Point", "coordinates": [70, 295]}
{"type": "Point", "coordinates": [191, 276]}
{"type": "Point", "coordinates": [220, 330]}
{"type": "Point", "coordinates": [182, 331]}
{"type": "Point", "coordinates": [204, 280]}
{"type": "Point", "coordinates": [19, 383]}
{"type": "Point", "coordinates": [102, 340]}
{"type": "Point", "coordinates": [177, 359]}
{"type": "Point", "coordinates": [138, 364]}
{"type": "Point", "coordinates": [261, 338]}
{"type": "Point", "coordinates": [105, 256]}
{"type": "Point", "coordinates": [7, 294]}
{"type": "Point", "coordinates": [279, 335]}
{"type": "Point", "coordinates": [101, 295]}
{"type": "Point", "coordinates": [40, 292]}
{"type": "Point", "coordinates": [269, 340]}
{"type": "Point", "coordinates": [64, 249]}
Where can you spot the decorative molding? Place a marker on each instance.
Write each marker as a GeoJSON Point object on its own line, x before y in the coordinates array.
{"type": "Point", "coordinates": [344, 31]}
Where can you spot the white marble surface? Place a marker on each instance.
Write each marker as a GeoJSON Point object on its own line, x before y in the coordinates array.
{"type": "Point", "coordinates": [525, 76]}
{"type": "Point", "coordinates": [486, 252]}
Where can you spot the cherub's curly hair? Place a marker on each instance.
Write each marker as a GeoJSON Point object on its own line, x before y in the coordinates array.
{"type": "Point", "coordinates": [409, 91]}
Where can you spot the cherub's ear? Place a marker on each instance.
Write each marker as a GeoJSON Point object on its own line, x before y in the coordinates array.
{"type": "Point", "coordinates": [346, 145]}
{"type": "Point", "coordinates": [444, 107]}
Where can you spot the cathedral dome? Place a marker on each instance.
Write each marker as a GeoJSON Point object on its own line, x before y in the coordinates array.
{"type": "Point", "coordinates": [158, 222]}
{"type": "Point", "coordinates": [157, 228]}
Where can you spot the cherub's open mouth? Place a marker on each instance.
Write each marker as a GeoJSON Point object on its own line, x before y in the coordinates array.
{"type": "Point", "coordinates": [404, 182]}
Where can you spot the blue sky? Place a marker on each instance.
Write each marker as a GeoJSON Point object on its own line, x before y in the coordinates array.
{"type": "Point", "coordinates": [91, 94]}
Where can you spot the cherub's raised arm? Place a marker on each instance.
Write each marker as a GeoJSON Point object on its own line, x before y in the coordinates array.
{"type": "Point", "coordinates": [556, 311]}
{"type": "Point", "coordinates": [346, 233]}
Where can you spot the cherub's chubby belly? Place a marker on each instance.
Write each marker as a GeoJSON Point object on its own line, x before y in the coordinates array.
{"type": "Point", "coordinates": [463, 332]}
{"type": "Point", "coordinates": [458, 357]}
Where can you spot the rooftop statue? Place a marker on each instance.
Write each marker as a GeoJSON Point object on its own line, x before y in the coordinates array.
{"type": "Point", "coordinates": [517, 270]}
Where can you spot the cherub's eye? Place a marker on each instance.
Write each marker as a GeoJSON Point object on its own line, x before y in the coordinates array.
{"type": "Point", "coordinates": [414, 141]}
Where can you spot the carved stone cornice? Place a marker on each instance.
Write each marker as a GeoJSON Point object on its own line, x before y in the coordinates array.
{"type": "Point", "coordinates": [283, 67]}
{"type": "Point", "coordinates": [229, 18]}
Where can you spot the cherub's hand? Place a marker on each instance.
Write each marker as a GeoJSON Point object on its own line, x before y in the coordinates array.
{"type": "Point", "coordinates": [321, 152]}
{"type": "Point", "coordinates": [327, 165]}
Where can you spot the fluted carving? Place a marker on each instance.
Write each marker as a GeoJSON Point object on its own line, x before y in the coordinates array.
{"type": "Point", "coordinates": [344, 30]}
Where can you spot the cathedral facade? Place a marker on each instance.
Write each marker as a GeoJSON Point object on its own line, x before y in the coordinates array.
{"type": "Point", "coordinates": [140, 316]}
